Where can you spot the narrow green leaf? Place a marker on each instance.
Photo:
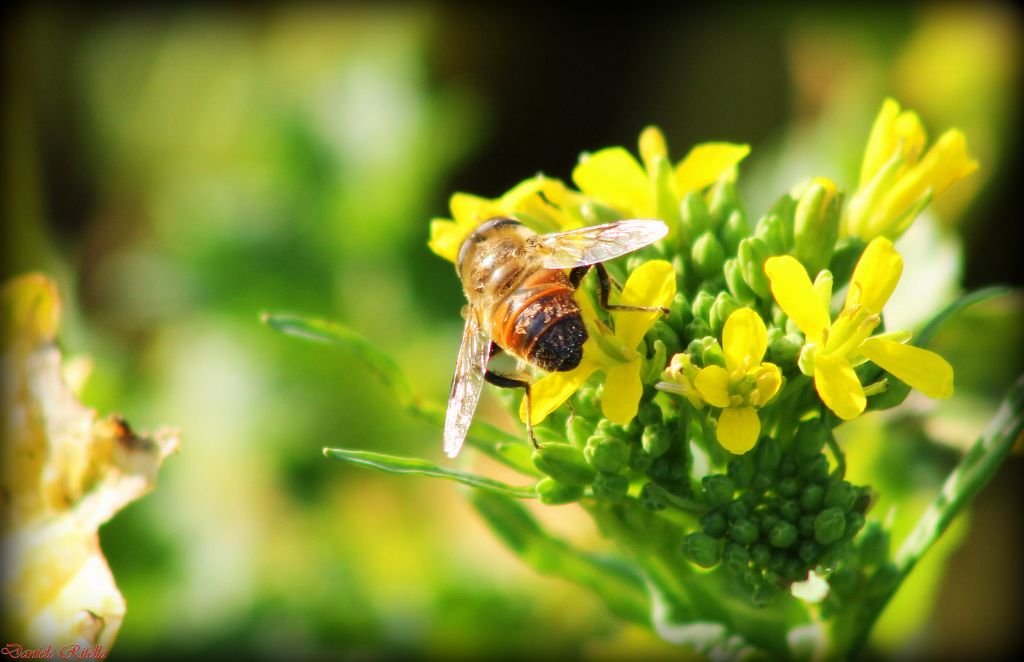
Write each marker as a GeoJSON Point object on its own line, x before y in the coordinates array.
{"type": "Point", "coordinates": [418, 467]}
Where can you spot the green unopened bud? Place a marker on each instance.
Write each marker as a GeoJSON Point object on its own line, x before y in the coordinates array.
{"type": "Point", "coordinates": [733, 231]}
{"type": "Point", "coordinates": [812, 498]}
{"type": "Point", "coordinates": [724, 306]}
{"type": "Point", "coordinates": [718, 489]}
{"type": "Point", "coordinates": [701, 549]}
{"type": "Point", "coordinates": [563, 462]}
{"type": "Point", "coordinates": [669, 338]}
{"type": "Point", "coordinates": [805, 525]}
{"type": "Point", "coordinates": [680, 314]}
{"type": "Point", "coordinates": [707, 254]}
{"type": "Point", "coordinates": [737, 510]}
{"type": "Point", "coordinates": [770, 229]}
{"type": "Point", "coordinates": [816, 224]}
{"type": "Point", "coordinates": [651, 497]}
{"type": "Point", "coordinates": [751, 256]}
{"type": "Point", "coordinates": [722, 200]}
{"type": "Point", "coordinates": [829, 526]}
{"type": "Point", "coordinates": [607, 454]}
{"type": "Point", "coordinates": [741, 470]}
{"type": "Point", "coordinates": [784, 350]}
{"type": "Point", "coordinates": [702, 303]}
{"type": "Point", "coordinates": [743, 531]}
{"type": "Point", "coordinates": [714, 523]}
{"type": "Point", "coordinates": [708, 351]}
{"type": "Point", "coordinates": [808, 551]}
{"type": "Point", "coordinates": [761, 555]}
{"type": "Point", "coordinates": [815, 470]}
{"type": "Point", "coordinates": [656, 440]}
{"type": "Point", "coordinates": [554, 493]}
{"type": "Point", "coordinates": [735, 558]}
{"type": "Point", "coordinates": [768, 456]}
{"type": "Point", "coordinates": [789, 510]}
{"type": "Point", "coordinates": [580, 429]}
{"type": "Point", "coordinates": [789, 487]}
{"type": "Point", "coordinates": [842, 495]}
{"type": "Point", "coordinates": [639, 460]}
{"type": "Point", "coordinates": [649, 414]}
{"type": "Point", "coordinates": [734, 281]}
{"type": "Point", "coordinates": [696, 219]}
{"type": "Point", "coordinates": [854, 523]}
{"type": "Point", "coordinates": [782, 535]}
{"type": "Point", "coordinates": [698, 328]}
{"type": "Point", "coordinates": [610, 486]}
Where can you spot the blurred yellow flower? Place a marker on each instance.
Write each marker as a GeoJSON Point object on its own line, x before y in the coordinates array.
{"type": "Point", "coordinates": [744, 384]}
{"type": "Point", "coordinates": [833, 348]}
{"type": "Point", "coordinates": [613, 352]}
{"type": "Point", "coordinates": [896, 182]}
{"type": "Point", "coordinates": [614, 177]}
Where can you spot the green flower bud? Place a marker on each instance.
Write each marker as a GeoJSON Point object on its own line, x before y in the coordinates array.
{"type": "Point", "coordinates": [854, 523]}
{"type": "Point", "coordinates": [656, 440]}
{"type": "Point", "coordinates": [815, 470]}
{"type": "Point", "coordinates": [650, 497]}
{"type": "Point", "coordinates": [734, 281]}
{"type": "Point", "coordinates": [714, 523]}
{"type": "Point", "coordinates": [702, 303]}
{"type": "Point", "coordinates": [722, 200]}
{"type": "Point", "coordinates": [805, 525]}
{"type": "Point", "coordinates": [782, 535]}
{"type": "Point", "coordinates": [610, 486]}
{"type": "Point", "coordinates": [680, 314]}
{"type": "Point", "coordinates": [554, 493]}
{"type": "Point", "coordinates": [741, 470]}
{"type": "Point", "coordinates": [787, 467]}
{"type": "Point", "coordinates": [563, 462]}
{"type": "Point", "coordinates": [737, 510]}
{"type": "Point", "coordinates": [702, 549]}
{"type": "Point", "coordinates": [724, 306]}
{"type": "Point", "coordinates": [639, 460]}
{"type": "Point", "coordinates": [751, 255]}
{"type": "Point", "coordinates": [735, 558]}
{"type": "Point", "coordinates": [606, 428]}
{"type": "Point", "coordinates": [761, 482]}
{"type": "Point", "coordinates": [816, 225]}
{"type": "Point", "coordinates": [585, 399]}
{"type": "Point", "coordinates": [718, 490]}
{"type": "Point", "coordinates": [785, 350]}
{"type": "Point", "coordinates": [841, 495]}
{"type": "Point", "coordinates": [812, 498]}
{"type": "Point", "coordinates": [734, 230]}
{"type": "Point", "coordinates": [829, 525]}
{"type": "Point", "coordinates": [698, 328]}
{"type": "Point", "coordinates": [794, 570]}
{"type": "Point", "coordinates": [661, 330]}
{"type": "Point", "coordinates": [708, 254]}
{"type": "Point", "coordinates": [607, 454]}
{"type": "Point", "coordinates": [768, 522]}
{"type": "Point", "coordinates": [789, 487]}
{"type": "Point", "coordinates": [761, 555]}
{"type": "Point", "coordinates": [579, 430]}
{"type": "Point", "coordinates": [808, 551]}
{"type": "Point", "coordinates": [778, 562]}
{"type": "Point", "coordinates": [708, 351]}
{"type": "Point", "coordinates": [696, 219]}
{"type": "Point", "coordinates": [789, 510]}
{"type": "Point", "coordinates": [649, 414]}
{"type": "Point", "coordinates": [768, 454]}
{"type": "Point", "coordinates": [810, 439]}
{"type": "Point", "coordinates": [771, 231]}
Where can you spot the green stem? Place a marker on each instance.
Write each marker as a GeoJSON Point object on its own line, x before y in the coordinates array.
{"type": "Point", "coordinates": [975, 470]}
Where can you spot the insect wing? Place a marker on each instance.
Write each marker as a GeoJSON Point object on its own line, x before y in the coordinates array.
{"type": "Point", "coordinates": [467, 384]}
{"type": "Point", "coordinates": [597, 243]}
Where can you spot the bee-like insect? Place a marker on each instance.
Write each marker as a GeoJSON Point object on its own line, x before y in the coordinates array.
{"type": "Point", "coordinates": [521, 302]}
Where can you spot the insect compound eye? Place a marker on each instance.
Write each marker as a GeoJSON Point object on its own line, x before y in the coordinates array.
{"type": "Point", "coordinates": [480, 234]}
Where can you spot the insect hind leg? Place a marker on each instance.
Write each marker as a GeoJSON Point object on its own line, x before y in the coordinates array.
{"type": "Point", "coordinates": [604, 281]}
{"type": "Point", "coordinates": [509, 382]}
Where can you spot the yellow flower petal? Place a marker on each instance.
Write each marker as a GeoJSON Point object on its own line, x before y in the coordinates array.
{"type": "Point", "coordinates": [793, 291]}
{"type": "Point", "coordinates": [926, 371]}
{"type": "Point", "coordinates": [548, 393]}
{"type": "Point", "coordinates": [652, 146]}
{"type": "Point", "coordinates": [653, 283]}
{"type": "Point", "coordinates": [738, 429]}
{"type": "Point", "coordinates": [470, 210]}
{"type": "Point", "coordinates": [769, 381]}
{"type": "Point", "coordinates": [713, 384]}
{"type": "Point", "coordinates": [875, 276]}
{"type": "Point", "coordinates": [882, 141]}
{"type": "Point", "coordinates": [744, 339]}
{"type": "Point", "coordinates": [614, 177]}
{"type": "Point", "coordinates": [446, 238]}
{"type": "Point", "coordinates": [706, 163]}
{"type": "Point", "coordinates": [838, 386]}
{"type": "Point", "coordinates": [622, 392]}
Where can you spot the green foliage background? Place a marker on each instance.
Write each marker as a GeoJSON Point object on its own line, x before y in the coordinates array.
{"type": "Point", "coordinates": [181, 171]}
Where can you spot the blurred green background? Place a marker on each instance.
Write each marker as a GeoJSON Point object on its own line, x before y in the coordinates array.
{"type": "Point", "coordinates": [180, 171]}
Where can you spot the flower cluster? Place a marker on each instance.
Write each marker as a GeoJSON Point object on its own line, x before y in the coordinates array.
{"type": "Point", "coordinates": [723, 411]}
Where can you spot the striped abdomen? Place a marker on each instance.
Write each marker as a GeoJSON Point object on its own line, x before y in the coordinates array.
{"type": "Point", "coordinates": [540, 322]}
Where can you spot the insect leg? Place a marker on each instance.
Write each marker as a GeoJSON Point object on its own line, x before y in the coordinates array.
{"type": "Point", "coordinates": [509, 382]}
{"type": "Point", "coordinates": [604, 279]}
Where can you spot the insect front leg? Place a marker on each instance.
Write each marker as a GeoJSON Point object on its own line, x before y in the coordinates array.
{"type": "Point", "coordinates": [509, 382]}
{"type": "Point", "coordinates": [604, 281]}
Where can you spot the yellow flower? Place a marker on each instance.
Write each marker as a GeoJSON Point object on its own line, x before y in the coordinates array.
{"type": "Point", "coordinates": [744, 384]}
{"type": "Point", "coordinates": [613, 352]}
{"type": "Point", "coordinates": [542, 203]}
{"type": "Point", "coordinates": [614, 177]}
{"type": "Point", "coordinates": [678, 378]}
{"type": "Point", "coordinates": [834, 348]}
{"type": "Point", "coordinates": [896, 182]}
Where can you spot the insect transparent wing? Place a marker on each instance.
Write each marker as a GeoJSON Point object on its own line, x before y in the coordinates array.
{"type": "Point", "coordinates": [597, 243]}
{"type": "Point", "coordinates": [467, 384]}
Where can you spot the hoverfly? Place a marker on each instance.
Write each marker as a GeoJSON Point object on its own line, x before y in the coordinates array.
{"type": "Point", "coordinates": [521, 302]}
